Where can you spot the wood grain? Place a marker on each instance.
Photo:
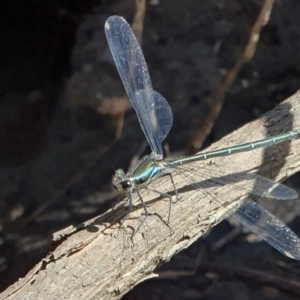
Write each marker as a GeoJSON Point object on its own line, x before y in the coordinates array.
{"type": "Point", "coordinates": [98, 259]}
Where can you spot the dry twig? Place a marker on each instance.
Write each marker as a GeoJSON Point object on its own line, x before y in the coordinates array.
{"type": "Point", "coordinates": [219, 95]}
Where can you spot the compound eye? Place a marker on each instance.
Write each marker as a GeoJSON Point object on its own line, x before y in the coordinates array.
{"type": "Point", "coordinates": [126, 185]}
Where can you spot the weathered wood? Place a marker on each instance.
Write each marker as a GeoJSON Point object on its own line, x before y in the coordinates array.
{"type": "Point", "coordinates": [98, 259]}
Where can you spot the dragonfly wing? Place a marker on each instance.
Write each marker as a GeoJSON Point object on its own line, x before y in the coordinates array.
{"type": "Point", "coordinates": [132, 67]}
{"type": "Point", "coordinates": [250, 214]}
{"type": "Point", "coordinates": [160, 117]}
{"type": "Point", "coordinates": [269, 228]}
{"type": "Point", "coordinates": [240, 181]}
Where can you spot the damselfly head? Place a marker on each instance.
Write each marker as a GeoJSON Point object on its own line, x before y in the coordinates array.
{"type": "Point", "coordinates": [120, 182]}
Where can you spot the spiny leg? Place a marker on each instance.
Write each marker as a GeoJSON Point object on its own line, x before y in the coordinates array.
{"type": "Point", "coordinates": [164, 195]}
{"type": "Point", "coordinates": [145, 212]}
{"type": "Point", "coordinates": [144, 206]}
{"type": "Point", "coordinates": [129, 199]}
{"type": "Point", "coordinates": [174, 186]}
{"type": "Point", "coordinates": [167, 195]}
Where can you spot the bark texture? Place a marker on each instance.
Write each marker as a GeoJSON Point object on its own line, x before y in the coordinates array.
{"type": "Point", "coordinates": [98, 259]}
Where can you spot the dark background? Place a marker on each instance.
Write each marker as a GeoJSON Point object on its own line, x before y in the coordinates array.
{"type": "Point", "coordinates": [61, 112]}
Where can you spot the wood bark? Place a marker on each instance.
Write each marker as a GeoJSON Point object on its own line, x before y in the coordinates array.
{"type": "Point", "coordinates": [99, 260]}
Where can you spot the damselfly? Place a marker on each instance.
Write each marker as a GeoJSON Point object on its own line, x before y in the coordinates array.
{"type": "Point", "coordinates": [155, 117]}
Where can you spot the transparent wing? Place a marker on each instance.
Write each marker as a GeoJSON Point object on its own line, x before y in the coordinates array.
{"type": "Point", "coordinates": [153, 111]}
{"type": "Point", "coordinates": [240, 181]}
{"type": "Point", "coordinates": [269, 228]}
{"type": "Point", "coordinates": [256, 185]}
{"type": "Point", "coordinates": [157, 118]}
{"type": "Point", "coordinates": [220, 187]}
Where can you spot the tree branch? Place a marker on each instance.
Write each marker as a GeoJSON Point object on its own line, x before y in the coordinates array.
{"type": "Point", "coordinates": [99, 260]}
